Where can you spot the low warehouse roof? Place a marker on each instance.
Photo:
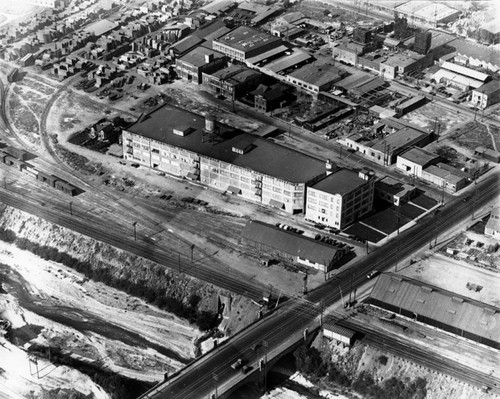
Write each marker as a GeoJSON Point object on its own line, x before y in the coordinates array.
{"type": "Point", "coordinates": [445, 307]}
{"type": "Point", "coordinates": [288, 242]}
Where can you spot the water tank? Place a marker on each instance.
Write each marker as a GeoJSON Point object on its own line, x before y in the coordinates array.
{"type": "Point", "coordinates": [210, 123]}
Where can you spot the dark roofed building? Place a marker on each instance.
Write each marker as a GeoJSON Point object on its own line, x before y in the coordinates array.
{"type": "Point", "coordinates": [201, 59]}
{"type": "Point", "coordinates": [187, 145]}
{"type": "Point", "coordinates": [282, 244]}
{"type": "Point", "coordinates": [232, 81]}
{"type": "Point", "coordinates": [316, 77]}
{"type": "Point", "coordinates": [185, 45]}
{"type": "Point", "coordinates": [268, 98]}
{"type": "Point", "coordinates": [437, 307]}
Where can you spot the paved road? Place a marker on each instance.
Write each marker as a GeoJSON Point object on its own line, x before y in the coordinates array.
{"type": "Point", "coordinates": [197, 381]}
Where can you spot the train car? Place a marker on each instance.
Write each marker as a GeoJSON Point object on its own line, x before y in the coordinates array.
{"type": "Point", "coordinates": [46, 178]}
{"type": "Point", "coordinates": [12, 161]}
{"type": "Point", "coordinates": [12, 77]}
{"type": "Point", "coordinates": [16, 153]}
{"type": "Point", "coordinates": [65, 187]}
{"type": "Point", "coordinates": [30, 170]}
{"type": "Point", "coordinates": [3, 155]}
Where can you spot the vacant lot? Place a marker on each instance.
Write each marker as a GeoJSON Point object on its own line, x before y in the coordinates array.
{"type": "Point", "coordinates": [434, 117]}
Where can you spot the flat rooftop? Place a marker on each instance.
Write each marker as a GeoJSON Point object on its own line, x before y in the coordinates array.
{"type": "Point", "coordinates": [283, 63]}
{"type": "Point", "coordinates": [288, 242]}
{"type": "Point", "coordinates": [419, 156]}
{"type": "Point", "coordinates": [341, 182]}
{"type": "Point", "coordinates": [318, 74]}
{"type": "Point", "coordinates": [244, 38]}
{"type": "Point", "coordinates": [101, 27]}
{"type": "Point", "coordinates": [403, 137]}
{"type": "Point", "coordinates": [265, 157]}
{"type": "Point", "coordinates": [196, 56]}
{"type": "Point", "coordinates": [392, 186]}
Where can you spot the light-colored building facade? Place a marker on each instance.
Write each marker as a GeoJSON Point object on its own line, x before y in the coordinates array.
{"type": "Point", "coordinates": [413, 161]}
{"type": "Point", "coordinates": [187, 145]}
{"type": "Point", "coordinates": [341, 198]}
{"type": "Point", "coordinates": [245, 42]}
{"type": "Point", "coordinates": [492, 227]}
{"type": "Point", "coordinates": [486, 95]}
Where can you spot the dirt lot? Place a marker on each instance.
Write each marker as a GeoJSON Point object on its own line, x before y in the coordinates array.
{"type": "Point", "coordinates": [475, 133]}
{"type": "Point", "coordinates": [430, 115]}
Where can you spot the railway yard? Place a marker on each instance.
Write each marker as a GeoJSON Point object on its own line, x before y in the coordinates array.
{"type": "Point", "coordinates": [66, 183]}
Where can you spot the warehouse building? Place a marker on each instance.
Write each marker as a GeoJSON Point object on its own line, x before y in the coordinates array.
{"type": "Point", "coordinates": [232, 81]}
{"type": "Point", "coordinates": [187, 145]}
{"type": "Point", "coordinates": [245, 42]}
{"type": "Point", "coordinates": [460, 76]}
{"type": "Point", "coordinates": [201, 59]}
{"type": "Point", "coordinates": [446, 176]}
{"type": "Point", "coordinates": [486, 95]}
{"type": "Point", "coordinates": [276, 243]}
{"type": "Point", "coordinates": [413, 161]}
{"type": "Point", "coordinates": [316, 77]}
{"type": "Point", "coordinates": [437, 307]}
{"type": "Point", "coordinates": [341, 198]}
{"type": "Point", "coordinates": [391, 138]}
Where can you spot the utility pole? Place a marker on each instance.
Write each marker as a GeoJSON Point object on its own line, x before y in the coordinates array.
{"type": "Point", "coordinates": [265, 346]}
{"type": "Point", "coordinates": [216, 379]}
{"type": "Point", "coordinates": [192, 251]}
{"type": "Point", "coordinates": [135, 230]}
{"type": "Point", "coordinates": [70, 208]}
{"type": "Point", "coordinates": [179, 263]}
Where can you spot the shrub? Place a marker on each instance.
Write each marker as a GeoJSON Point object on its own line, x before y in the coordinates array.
{"type": "Point", "coordinates": [383, 360]}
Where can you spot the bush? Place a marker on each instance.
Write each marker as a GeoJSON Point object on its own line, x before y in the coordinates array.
{"type": "Point", "coordinates": [206, 320]}
{"type": "Point", "coordinates": [7, 235]}
{"type": "Point", "coordinates": [116, 386]}
{"type": "Point", "coordinates": [383, 360]}
{"type": "Point", "coordinates": [309, 361]}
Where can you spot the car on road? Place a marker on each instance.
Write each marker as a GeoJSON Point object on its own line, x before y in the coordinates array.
{"type": "Point", "coordinates": [237, 364]}
{"type": "Point", "coordinates": [372, 274]}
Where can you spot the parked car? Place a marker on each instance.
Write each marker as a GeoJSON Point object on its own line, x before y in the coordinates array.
{"type": "Point", "coordinates": [372, 274]}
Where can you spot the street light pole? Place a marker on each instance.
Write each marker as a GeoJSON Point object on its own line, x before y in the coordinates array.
{"type": "Point", "coordinates": [135, 230]}
{"type": "Point", "coordinates": [70, 207]}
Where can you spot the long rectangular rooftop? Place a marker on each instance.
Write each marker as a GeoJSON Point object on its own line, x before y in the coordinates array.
{"type": "Point", "coordinates": [264, 157]}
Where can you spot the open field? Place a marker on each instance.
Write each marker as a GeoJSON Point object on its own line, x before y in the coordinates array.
{"type": "Point", "coordinates": [430, 115]}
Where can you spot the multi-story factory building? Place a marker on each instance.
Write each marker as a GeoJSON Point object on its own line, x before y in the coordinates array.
{"type": "Point", "coordinates": [187, 145]}
{"type": "Point", "coordinates": [245, 42]}
{"type": "Point", "coordinates": [340, 198]}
